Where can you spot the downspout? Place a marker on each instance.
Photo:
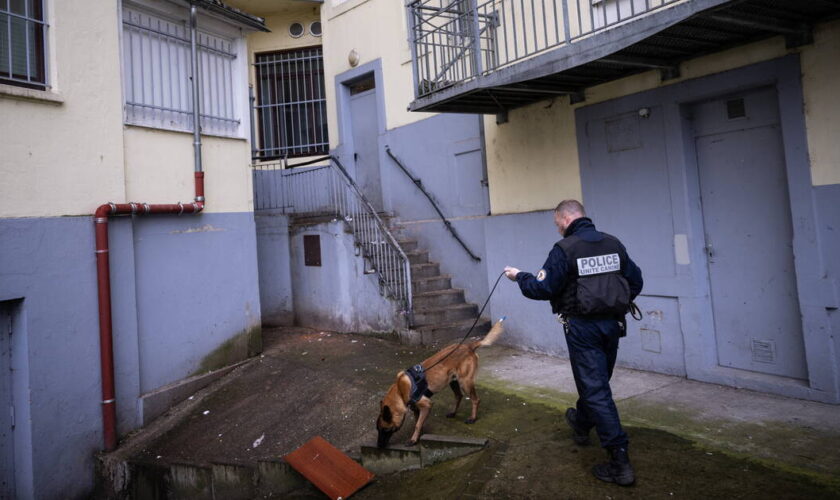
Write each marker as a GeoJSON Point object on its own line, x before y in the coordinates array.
{"type": "Point", "coordinates": [103, 269]}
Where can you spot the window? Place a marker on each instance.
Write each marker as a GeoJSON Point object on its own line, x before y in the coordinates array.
{"type": "Point", "coordinates": [291, 107]}
{"type": "Point", "coordinates": [157, 69]}
{"type": "Point", "coordinates": [22, 31]}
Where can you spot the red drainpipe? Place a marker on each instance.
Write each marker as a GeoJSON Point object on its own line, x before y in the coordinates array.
{"type": "Point", "coordinates": [103, 279]}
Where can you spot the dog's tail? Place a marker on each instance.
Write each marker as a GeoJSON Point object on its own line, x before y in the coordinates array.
{"type": "Point", "coordinates": [491, 336]}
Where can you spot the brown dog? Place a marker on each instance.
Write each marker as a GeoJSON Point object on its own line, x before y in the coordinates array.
{"type": "Point", "coordinates": [454, 365]}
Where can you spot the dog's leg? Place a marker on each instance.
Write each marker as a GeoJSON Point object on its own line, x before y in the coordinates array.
{"type": "Point", "coordinates": [456, 388]}
{"type": "Point", "coordinates": [425, 407]}
{"type": "Point", "coordinates": [468, 386]}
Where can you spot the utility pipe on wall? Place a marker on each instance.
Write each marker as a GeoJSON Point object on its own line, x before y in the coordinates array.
{"type": "Point", "coordinates": [103, 268]}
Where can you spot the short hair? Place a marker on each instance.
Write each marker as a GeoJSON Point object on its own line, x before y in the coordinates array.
{"type": "Point", "coordinates": [570, 207]}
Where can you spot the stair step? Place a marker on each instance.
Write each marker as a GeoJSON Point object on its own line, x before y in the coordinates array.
{"type": "Point", "coordinates": [439, 298]}
{"type": "Point", "coordinates": [446, 314]}
{"type": "Point", "coordinates": [446, 332]}
{"type": "Point", "coordinates": [426, 270]}
{"type": "Point", "coordinates": [407, 245]}
{"type": "Point", "coordinates": [430, 284]}
{"type": "Point", "coordinates": [418, 256]}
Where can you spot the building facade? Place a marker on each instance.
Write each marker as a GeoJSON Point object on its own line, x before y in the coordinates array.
{"type": "Point", "coordinates": [96, 107]}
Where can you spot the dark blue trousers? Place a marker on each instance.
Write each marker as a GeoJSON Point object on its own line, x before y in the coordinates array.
{"type": "Point", "coordinates": [593, 346]}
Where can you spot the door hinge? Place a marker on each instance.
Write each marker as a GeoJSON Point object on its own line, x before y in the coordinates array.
{"type": "Point", "coordinates": [12, 414]}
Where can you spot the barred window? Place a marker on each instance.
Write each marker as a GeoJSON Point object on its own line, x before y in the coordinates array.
{"type": "Point", "coordinates": [22, 31]}
{"type": "Point", "coordinates": [157, 68]}
{"type": "Point", "coordinates": [291, 104]}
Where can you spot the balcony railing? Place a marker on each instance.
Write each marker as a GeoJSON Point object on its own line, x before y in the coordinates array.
{"type": "Point", "coordinates": [454, 41]}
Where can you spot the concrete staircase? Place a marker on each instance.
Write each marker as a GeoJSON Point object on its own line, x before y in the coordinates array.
{"type": "Point", "coordinates": [441, 313]}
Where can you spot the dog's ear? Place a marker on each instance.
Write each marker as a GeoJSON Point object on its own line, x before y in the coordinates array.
{"type": "Point", "coordinates": [386, 414]}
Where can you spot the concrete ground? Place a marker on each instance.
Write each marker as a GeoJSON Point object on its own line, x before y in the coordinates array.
{"type": "Point", "coordinates": [688, 439]}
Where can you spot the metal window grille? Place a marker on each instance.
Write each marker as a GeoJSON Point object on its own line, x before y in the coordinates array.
{"type": "Point", "coordinates": [22, 42]}
{"type": "Point", "coordinates": [291, 104]}
{"type": "Point", "coordinates": [156, 54]}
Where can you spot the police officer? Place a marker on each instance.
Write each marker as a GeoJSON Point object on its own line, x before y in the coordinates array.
{"type": "Point", "coordinates": [591, 282]}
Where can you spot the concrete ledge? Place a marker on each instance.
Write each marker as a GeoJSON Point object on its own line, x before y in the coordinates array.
{"type": "Point", "coordinates": [435, 449]}
{"type": "Point", "coordinates": [393, 458]}
{"type": "Point", "coordinates": [190, 482]}
{"type": "Point", "coordinates": [233, 482]}
{"type": "Point", "coordinates": [276, 477]}
{"type": "Point", "coordinates": [155, 404]}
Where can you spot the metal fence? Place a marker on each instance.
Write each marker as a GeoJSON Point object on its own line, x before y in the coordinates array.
{"type": "Point", "coordinates": [329, 190]}
{"type": "Point", "coordinates": [456, 40]}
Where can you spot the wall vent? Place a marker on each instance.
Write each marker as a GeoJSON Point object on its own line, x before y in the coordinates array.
{"type": "Point", "coordinates": [735, 108]}
{"type": "Point", "coordinates": [764, 351]}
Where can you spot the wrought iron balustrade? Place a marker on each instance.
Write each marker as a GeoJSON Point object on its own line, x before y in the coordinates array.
{"type": "Point", "coordinates": [454, 41]}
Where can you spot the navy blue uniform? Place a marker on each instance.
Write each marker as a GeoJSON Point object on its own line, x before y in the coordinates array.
{"type": "Point", "coordinates": [592, 341]}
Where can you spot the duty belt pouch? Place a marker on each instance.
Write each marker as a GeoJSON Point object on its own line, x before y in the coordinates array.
{"type": "Point", "coordinates": [603, 294]}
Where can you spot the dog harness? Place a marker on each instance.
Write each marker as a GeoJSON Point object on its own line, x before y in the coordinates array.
{"type": "Point", "coordinates": [419, 384]}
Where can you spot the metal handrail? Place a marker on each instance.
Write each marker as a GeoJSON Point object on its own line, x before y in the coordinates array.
{"type": "Point", "coordinates": [330, 190]}
{"type": "Point", "coordinates": [419, 183]}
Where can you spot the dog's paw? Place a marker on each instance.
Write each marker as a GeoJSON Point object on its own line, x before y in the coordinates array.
{"type": "Point", "coordinates": [451, 414]}
{"type": "Point", "coordinates": [470, 420]}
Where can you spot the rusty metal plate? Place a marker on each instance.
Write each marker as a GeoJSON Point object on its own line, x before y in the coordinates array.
{"type": "Point", "coordinates": [330, 470]}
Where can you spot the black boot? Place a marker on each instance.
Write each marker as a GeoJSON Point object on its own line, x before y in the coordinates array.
{"type": "Point", "coordinates": [579, 436]}
{"type": "Point", "coordinates": [618, 470]}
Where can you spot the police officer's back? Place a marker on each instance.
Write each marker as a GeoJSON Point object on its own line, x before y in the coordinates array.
{"type": "Point", "coordinates": [590, 282]}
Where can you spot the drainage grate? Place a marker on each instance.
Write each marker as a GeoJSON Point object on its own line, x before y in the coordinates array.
{"type": "Point", "coordinates": [764, 351]}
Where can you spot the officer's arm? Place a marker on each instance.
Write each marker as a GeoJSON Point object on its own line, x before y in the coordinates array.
{"type": "Point", "coordinates": [633, 274]}
{"type": "Point", "coordinates": [551, 281]}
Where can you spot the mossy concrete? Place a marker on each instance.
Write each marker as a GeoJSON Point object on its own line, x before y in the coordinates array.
{"type": "Point", "coordinates": [241, 346]}
{"type": "Point", "coordinates": [309, 383]}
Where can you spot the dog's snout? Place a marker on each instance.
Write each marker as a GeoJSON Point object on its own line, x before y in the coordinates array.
{"type": "Point", "coordinates": [384, 438]}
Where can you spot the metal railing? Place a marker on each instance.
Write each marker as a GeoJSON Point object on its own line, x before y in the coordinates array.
{"type": "Point", "coordinates": [454, 41]}
{"type": "Point", "coordinates": [329, 190]}
{"type": "Point", "coordinates": [446, 223]}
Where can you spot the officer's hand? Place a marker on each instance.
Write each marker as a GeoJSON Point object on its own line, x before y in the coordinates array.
{"type": "Point", "coordinates": [511, 272]}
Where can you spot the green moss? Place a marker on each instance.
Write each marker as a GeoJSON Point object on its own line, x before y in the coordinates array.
{"type": "Point", "coordinates": [241, 346]}
{"type": "Point", "coordinates": [531, 455]}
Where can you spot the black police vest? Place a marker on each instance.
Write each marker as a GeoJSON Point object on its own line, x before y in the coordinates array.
{"type": "Point", "coordinates": [595, 285]}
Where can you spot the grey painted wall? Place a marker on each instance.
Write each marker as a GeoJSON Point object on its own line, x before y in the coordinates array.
{"type": "Point", "coordinates": [444, 152]}
{"type": "Point", "coordinates": [655, 201]}
{"type": "Point", "coordinates": [337, 296]}
{"type": "Point", "coordinates": [275, 275]}
{"type": "Point", "coordinates": [196, 288]}
{"type": "Point", "coordinates": [49, 264]}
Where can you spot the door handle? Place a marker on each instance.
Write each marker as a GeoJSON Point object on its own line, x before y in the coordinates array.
{"type": "Point", "coordinates": [710, 250]}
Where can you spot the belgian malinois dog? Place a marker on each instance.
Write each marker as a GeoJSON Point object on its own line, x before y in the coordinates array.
{"type": "Point", "coordinates": [454, 365]}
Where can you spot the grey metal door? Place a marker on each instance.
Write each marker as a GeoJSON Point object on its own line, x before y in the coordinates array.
{"type": "Point", "coordinates": [365, 123]}
{"type": "Point", "coordinates": [7, 446]}
{"type": "Point", "coordinates": [749, 235]}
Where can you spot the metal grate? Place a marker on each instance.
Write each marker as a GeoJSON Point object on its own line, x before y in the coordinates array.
{"type": "Point", "coordinates": [291, 104]}
{"type": "Point", "coordinates": [156, 55]}
{"type": "Point", "coordinates": [22, 42]}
